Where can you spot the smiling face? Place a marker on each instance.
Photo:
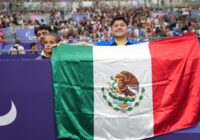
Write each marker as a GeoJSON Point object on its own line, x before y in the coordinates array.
{"type": "Point", "coordinates": [119, 29]}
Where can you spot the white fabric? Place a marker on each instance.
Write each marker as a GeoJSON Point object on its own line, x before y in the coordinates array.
{"type": "Point", "coordinates": [111, 124]}
{"type": "Point", "coordinates": [18, 48]}
{"type": "Point", "coordinates": [43, 53]}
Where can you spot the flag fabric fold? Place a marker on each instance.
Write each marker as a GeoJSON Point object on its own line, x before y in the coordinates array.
{"type": "Point", "coordinates": [126, 92]}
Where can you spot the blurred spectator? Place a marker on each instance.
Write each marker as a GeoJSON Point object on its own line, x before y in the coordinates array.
{"type": "Point", "coordinates": [106, 36]}
{"type": "Point", "coordinates": [33, 49]}
{"type": "Point", "coordinates": [13, 51]}
{"type": "Point", "coordinates": [72, 39]}
{"type": "Point", "coordinates": [42, 22]}
{"type": "Point", "coordinates": [95, 37]}
{"type": "Point", "coordinates": [2, 37]}
{"type": "Point", "coordinates": [135, 37]}
{"type": "Point", "coordinates": [18, 48]}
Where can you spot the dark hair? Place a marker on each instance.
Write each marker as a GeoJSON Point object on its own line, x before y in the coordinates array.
{"type": "Point", "coordinates": [119, 17]}
{"type": "Point", "coordinates": [42, 27]}
{"type": "Point", "coordinates": [17, 41]}
{"type": "Point", "coordinates": [32, 44]}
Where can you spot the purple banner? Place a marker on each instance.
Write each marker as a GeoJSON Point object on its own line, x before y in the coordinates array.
{"type": "Point", "coordinates": [26, 103]}
{"type": "Point", "coordinates": [26, 35]}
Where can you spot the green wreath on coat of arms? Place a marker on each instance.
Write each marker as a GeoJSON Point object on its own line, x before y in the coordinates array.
{"type": "Point", "coordinates": [123, 93]}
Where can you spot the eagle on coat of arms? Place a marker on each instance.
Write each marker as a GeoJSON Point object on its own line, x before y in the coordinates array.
{"type": "Point", "coordinates": [123, 93]}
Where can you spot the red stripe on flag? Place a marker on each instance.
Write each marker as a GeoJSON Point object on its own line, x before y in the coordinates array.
{"type": "Point", "coordinates": [176, 84]}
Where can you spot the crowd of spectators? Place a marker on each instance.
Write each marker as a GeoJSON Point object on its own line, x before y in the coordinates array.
{"type": "Point", "coordinates": [145, 23]}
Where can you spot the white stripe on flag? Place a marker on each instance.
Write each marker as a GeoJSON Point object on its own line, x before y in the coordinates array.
{"type": "Point", "coordinates": [112, 124]}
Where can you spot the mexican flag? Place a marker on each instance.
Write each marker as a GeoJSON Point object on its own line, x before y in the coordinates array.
{"type": "Point", "coordinates": [126, 92]}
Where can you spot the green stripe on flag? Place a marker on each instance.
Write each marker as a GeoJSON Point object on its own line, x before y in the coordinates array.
{"type": "Point", "coordinates": [73, 90]}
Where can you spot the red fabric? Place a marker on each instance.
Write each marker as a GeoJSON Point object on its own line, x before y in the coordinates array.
{"type": "Point", "coordinates": [176, 84]}
{"type": "Point", "coordinates": [2, 37]}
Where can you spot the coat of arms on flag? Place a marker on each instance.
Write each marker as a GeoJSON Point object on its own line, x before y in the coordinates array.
{"type": "Point", "coordinates": [123, 93]}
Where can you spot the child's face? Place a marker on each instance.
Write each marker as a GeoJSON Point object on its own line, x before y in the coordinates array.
{"type": "Point", "coordinates": [50, 41]}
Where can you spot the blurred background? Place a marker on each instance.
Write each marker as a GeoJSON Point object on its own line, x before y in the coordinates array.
{"type": "Point", "coordinates": [89, 20]}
